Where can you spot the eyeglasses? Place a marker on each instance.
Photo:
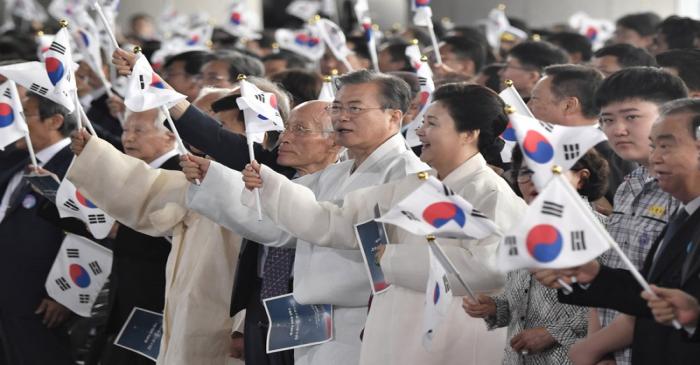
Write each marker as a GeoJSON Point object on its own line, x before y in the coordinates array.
{"type": "Point", "coordinates": [212, 78]}
{"type": "Point", "coordinates": [299, 131]}
{"type": "Point", "coordinates": [507, 65]}
{"type": "Point", "coordinates": [524, 175]}
{"type": "Point", "coordinates": [336, 110]}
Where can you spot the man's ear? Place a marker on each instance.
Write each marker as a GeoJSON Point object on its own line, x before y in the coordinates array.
{"type": "Point", "coordinates": [55, 122]}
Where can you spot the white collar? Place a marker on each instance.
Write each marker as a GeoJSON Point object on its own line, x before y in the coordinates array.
{"type": "Point", "coordinates": [692, 205]}
{"type": "Point", "coordinates": [395, 143]}
{"type": "Point", "coordinates": [158, 162]}
{"type": "Point", "coordinates": [47, 153]}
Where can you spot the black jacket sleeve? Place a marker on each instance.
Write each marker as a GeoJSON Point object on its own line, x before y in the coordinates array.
{"type": "Point", "coordinates": [612, 288]}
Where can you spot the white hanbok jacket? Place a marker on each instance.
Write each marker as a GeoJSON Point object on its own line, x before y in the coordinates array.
{"type": "Point", "coordinates": [202, 261]}
{"type": "Point", "coordinates": [393, 332]}
{"type": "Point", "coordinates": [322, 275]}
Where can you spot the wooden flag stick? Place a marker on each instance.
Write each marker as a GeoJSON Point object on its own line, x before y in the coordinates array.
{"type": "Point", "coordinates": [98, 8]}
{"type": "Point", "coordinates": [436, 46]}
{"type": "Point", "coordinates": [251, 154]}
{"type": "Point", "coordinates": [435, 247]}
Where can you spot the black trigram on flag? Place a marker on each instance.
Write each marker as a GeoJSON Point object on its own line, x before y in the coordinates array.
{"type": "Point", "coordinates": [141, 82]}
{"type": "Point", "coordinates": [511, 245]}
{"type": "Point", "coordinates": [260, 97]}
{"type": "Point", "coordinates": [62, 283]}
{"type": "Point", "coordinates": [554, 209]}
{"type": "Point", "coordinates": [95, 268]}
{"type": "Point", "coordinates": [73, 253]}
{"type": "Point", "coordinates": [58, 48]}
{"type": "Point", "coordinates": [578, 241]}
{"type": "Point", "coordinates": [96, 218]}
{"type": "Point", "coordinates": [547, 126]}
{"type": "Point", "coordinates": [38, 89]}
{"type": "Point", "coordinates": [422, 81]}
{"type": "Point", "coordinates": [478, 214]}
{"type": "Point", "coordinates": [446, 283]}
{"type": "Point", "coordinates": [84, 298]}
{"type": "Point", "coordinates": [70, 204]}
{"type": "Point", "coordinates": [571, 151]}
{"type": "Point", "coordinates": [447, 191]}
{"type": "Point", "coordinates": [410, 215]}
{"type": "Point", "coordinates": [7, 93]}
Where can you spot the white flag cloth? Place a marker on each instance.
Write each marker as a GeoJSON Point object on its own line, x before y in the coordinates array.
{"type": "Point", "coordinates": [511, 97]}
{"type": "Point", "coordinates": [146, 90]}
{"type": "Point", "coordinates": [43, 42]}
{"type": "Point", "coordinates": [79, 272]}
{"type": "Point", "coordinates": [28, 10]}
{"type": "Point", "coordinates": [306, 42]}
{"type": "Point", "coordinates": [496, 24]}
{"type": "Point", "coordinates": [66, 9]}
{"type": "Point", "coordinates": [545, 145]}
{"type": "Point", "coordinates": [87, 39]}
{"type": "Point", "coordinates": [435, 209]}
{"type": "Point", "coordinates": [334, 38]}
{"type": "Point", "coordinates": [241, 21]}
{"type": "Point", "coordinates": [33, 76]}
{"type": "Point", "coordinates": [259, 110]}
{"type": "Point", "coordinates": [71, 203]}
{"type": "Point", "coordinates": [427, 87]}
{"type": "Point", "coordinates": [598, 31]}
{"type": "Point", "coordinates": [558, 231]}
{"type": "Point", "coordinates": [327, 92]}
{"type": "Point", "coordinates": [59, 68]}
{"type": "Point", "coordinates": [422, 14]}
{"type": "Point", "coordinates": [12, 123]}
{"type": "Point", "coordinates": [438, 297]}
{"type": "Point", "coordinates": [304, 9]}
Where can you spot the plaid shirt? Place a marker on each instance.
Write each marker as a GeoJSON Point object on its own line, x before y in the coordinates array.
{"type": "Point", "coordinates": [640, 212]}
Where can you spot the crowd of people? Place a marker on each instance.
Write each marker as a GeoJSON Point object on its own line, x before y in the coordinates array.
{"type": "Point", "coordinates": [188, 242]}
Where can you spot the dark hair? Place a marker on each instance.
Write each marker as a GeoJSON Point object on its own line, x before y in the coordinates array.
{"type": "Point", "coordinates": [475, 107]}
{"type": "Point", "coordinates": [493, 78]}
{"type": "Point", "coordinates": [680, 32]}
{"type": "Point", "coordinates": [643, 23]}
{"type": "Point", "coordinates": [239, 63]}
{"type": "Point", "coordinates": [394, 92]}
{"type": "Point", "coordinates": [627, 55]}
{"type": "Point", "coordinates": [686, 62]}
{"type": "Point", "coordinates": [411, 79]}
{"type": "Point", "coordinates": [293, 60]}
{"type": "Point", "coordinates": [49, 108]}
{"type": "Point", "coordinates": [645, 83]}
{"type": "Point", "coordinates": [475, 35]}
{"type": "Point", "coordinates": [594, 187]}
{"type": "Point", "coordinates": [193, 61]}
{"type": "Point", "coordinates": [467, 48]}
{"type": "Point", "coordinates": [572, 43]}
{"type": "Point", "coordinates": [396, 48]}
{"type": "Point", "coordinates": [360, 46]}
{"type": "Point", "coordinates": [576, 81]}
{"type": "Point", "coordinates": [681, 106]}
{"type": "Point", "coordinates": [302, 85]}
{"type": "Point", "coordinates": [538, 54]}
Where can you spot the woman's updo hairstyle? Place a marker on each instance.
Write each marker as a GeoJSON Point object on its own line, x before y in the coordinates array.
{"type": "Point", "coordinates": [475, 107]}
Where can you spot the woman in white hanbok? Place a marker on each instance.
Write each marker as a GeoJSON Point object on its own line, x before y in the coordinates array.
{"type": "Point", "coordinates": [462, 123]}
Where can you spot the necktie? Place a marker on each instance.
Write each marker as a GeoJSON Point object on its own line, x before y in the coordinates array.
{"type": "Point", "coordinates": [673, 226]}
{"type": "Point", "coordinates": [278, 267]}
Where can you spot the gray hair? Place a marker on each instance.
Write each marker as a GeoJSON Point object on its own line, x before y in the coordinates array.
{"type": "Point", "coordinates": [393, 91]}
{"type": "Point", "coordinates": [681, 106]}
{"type": "Point", "coordinates": [158, 122]}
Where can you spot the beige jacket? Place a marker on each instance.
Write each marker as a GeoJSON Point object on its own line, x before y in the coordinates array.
{"type": "Point", "coordinates": [202, 261]}
{"type": "Point", "coordinates": [393, 331]}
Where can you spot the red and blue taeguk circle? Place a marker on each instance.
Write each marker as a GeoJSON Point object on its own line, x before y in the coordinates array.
{"type": "Point", "coordinates": [7, 115]}
{"type": "Point", "coordinates": [79, 275]}
{"type": "Point", "coordinates": [55, 69]}
{"type": "Point", "coordinates": [439, 214]}
{"type": "Point", "coordinates": [537, 147]}
{"type": "Point", "coordinates": [544, 243]}
{"type": "Point", "coordinates": [509, 133]}
{"type": "Point", "coordinates": [84, 201]}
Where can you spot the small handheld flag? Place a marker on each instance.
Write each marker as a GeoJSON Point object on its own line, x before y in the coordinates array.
{"type": "Point", "coordinates": [327, 90]}
{"type": "Point", "coordinates": [512, 98]}
{"type": "Point", "coordinates": [303, 9]}
{"type": "Point", "coordinates": [242, 22]}
{"type": "Point", "coordinates": [306, 42]}
{"type": "Point", "coordinates": [438, 296]}
{"type": "Point", "coordinates": [363, 17]}
{"type": "Point", "coordinates": [59, 67]}
{"type": "Point", "coordinates": [427, 87]}
{"type": "Point", "coordinates": [335, 40]}
{"type": "Point", "coordinates": [71, 203]}
{"type": "Point", "coordinates": [13, 125]}
{"type": "Point", "coordinates": [146, 90]}
{"type": "Point", "coordinates": [423, 17]}
{"type": "Point", "coordinates": [433, 208]}
{"type": "Point", "coordinates": [78, 273]}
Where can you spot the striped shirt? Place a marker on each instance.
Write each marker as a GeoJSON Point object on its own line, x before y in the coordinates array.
{"type": "Point", "coordinates": [640, 212]}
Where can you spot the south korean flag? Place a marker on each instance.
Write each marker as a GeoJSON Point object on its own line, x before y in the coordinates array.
{"type": "Point", "coordinates": [79, 272]}
{"type": "Point", "coordinates": [71, 203]}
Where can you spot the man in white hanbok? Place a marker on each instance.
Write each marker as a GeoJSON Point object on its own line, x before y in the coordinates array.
{"type": "Point", "coordinates": [366, 116]}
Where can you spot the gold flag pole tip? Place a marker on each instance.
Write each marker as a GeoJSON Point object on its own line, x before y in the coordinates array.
{"type": "Point", "coordinates": [556, 169]}
{"type": "Point", "coordinates": [423, 175]}
{"type": "Point", "coordinates": [430, 238]}
{"type": "Point", "coordinates": [137, 49]}
{"type": "Point", "coordinates": [240, 77]}
{"type": "Point", "coordinates": [63, 23]}
{"type": "Point", "coordinates": [334, 72]}
{"type": "Point", "coordinates": [424, 58]}
{"type": "Point", "coordinates": [509, 83]}
{"type": "Point", "coordinates": [509, 110]}
{"type": "Point", "coordinates": [327, 78]}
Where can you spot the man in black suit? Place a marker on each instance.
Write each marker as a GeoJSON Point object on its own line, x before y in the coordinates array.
{"type": "Point", "coordinates": [138, 267]}
{"type": "Point", "coordinates": [31, 323]}
{"type": "Point", "coordinates": [675, 164]}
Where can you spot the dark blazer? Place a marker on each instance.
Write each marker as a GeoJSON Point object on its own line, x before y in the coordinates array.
{"type": "Point", "coordinates": [28, 244]}
{"type": "Point", "coordinates": [138, 270]}
{"type": "Point", "coordinates": [231, 150]}
{"type": "Point", "coordinates": [617, 289]}
{"type": "Point", "coordinates": [106, 126]}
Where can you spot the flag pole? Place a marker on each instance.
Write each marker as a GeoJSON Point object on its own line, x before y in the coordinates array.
{"type": "Point", "coordinates": [180, 145]}
{"type": "Point", "coordinates": [433, 245]}
{"type": "Point", "coordinates": [251, 156]}
{"type": "Point", "coordinates": [27, 139]}
{"type": "Point", "coordinates": [433, 39]}
{"type": "Point", "coordinates": [630, 266]}
{"type": "Point", "coordinates": [372, 45]}
{"type": "Point", "coordinates": [98, 8]}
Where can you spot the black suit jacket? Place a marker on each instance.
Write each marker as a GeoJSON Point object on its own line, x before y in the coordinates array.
{"type": "Point", "coordinates": [106, 126]}
{"type": "Point", "coordinates": [138, 270]}
{"type": "Point", "coordinates": [231, 150]}
{"type": "Point", "coordinates": [28, 244]}
{"type": "Point", "coordinates": [617, 289]}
